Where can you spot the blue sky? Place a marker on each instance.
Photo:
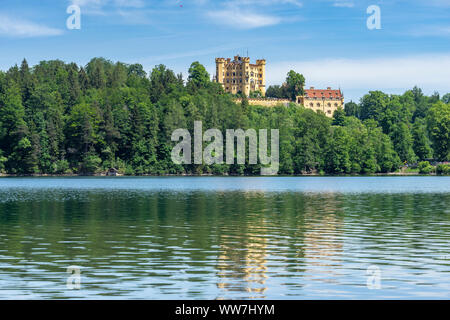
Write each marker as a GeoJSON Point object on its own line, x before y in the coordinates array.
{"type": "Point", "coordinates": [326, 40]}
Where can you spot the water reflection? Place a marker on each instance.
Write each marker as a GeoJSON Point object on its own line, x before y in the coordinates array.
{"type": "Point", "coordinates": [222, 244]}
{"type": "Point", "coordinates": [323, 239]}
{"type": "Point", "coordinates": [242, 261]}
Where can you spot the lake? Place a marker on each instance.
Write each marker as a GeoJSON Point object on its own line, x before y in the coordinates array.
{"type": "Point", "coordinates": [225, 237]}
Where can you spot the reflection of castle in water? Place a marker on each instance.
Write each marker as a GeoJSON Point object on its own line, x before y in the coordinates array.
{"type": "Point", "coordinates": [322, 239]}
{"type": "Point", "coordinates": [242, 262]}
{"type": "Point", "coordinates": [311, 228]}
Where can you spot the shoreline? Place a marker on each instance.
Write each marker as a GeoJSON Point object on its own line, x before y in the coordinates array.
{"type": "Point", "coordinates": [398, 174]}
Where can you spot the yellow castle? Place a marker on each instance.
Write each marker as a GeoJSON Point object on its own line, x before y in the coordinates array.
{"type": "Point", "coordinates": [239, 75]}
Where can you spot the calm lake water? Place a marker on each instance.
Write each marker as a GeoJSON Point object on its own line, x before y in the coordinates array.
{"type": "Point", "coordinates": [226, 238]}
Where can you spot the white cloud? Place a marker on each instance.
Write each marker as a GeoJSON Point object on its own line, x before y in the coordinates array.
{"type": "Point", "coordinates": [102, 7]}
{"type": "Point", "coordinates": [130, 3]}
{"type": "Point", "coordinates": [430, 72]}
{"type": "Point", "coordinates": [13, 27]}
{"type": "Point", "coordinates": [249, 14]}
{"type": "Point", "coordinates": [188, 54]}
{"type": "Point", "coordinates": [117, 3]}
{"type": "Point", "coordinates": [345, 4]}
{"type": "Point", "coordinates": [243, 20]}
{"type": "Point", "coordinates": [263, 2]}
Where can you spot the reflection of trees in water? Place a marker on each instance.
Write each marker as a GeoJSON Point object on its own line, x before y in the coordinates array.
{"type": "Point", "coordinates": [236, 239]}
{"type": "Point", "coordinates": [297, 227]}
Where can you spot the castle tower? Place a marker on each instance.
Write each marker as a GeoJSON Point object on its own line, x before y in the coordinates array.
{"type": "Point", "coordinates": [262, 72]}
{"type": "Point", "coordinates": [220, 70]}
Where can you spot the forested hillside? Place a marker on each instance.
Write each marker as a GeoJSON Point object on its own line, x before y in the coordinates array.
{"type": "Point", "coordinates": [60, 118]}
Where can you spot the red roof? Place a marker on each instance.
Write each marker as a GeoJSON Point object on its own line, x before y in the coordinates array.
{"type": "Point", "coordinates": [326, 93]}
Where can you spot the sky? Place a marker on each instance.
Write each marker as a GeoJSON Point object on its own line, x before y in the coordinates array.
{"type": "Point", "coordinates": [328, 41]}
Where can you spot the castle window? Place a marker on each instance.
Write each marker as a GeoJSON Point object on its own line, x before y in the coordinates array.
{"type": "Point", "coordinates": [311, 105]}
{"type": "Point", "coordinates": [335, 104]}
{"type": "Point", "coordinates": [318, 104]}
{"type": "Point", "coordinates": [329, 104]}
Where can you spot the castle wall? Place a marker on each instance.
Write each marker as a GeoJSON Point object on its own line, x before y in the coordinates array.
{"type": "Point", "coordinates": [266, 102]}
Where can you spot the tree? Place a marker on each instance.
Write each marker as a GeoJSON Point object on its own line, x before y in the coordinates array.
{"type": "Point", "coordinates": [338, 117]}
{"type": "Point", "coordinates": [438, 122]}
{"type": "Point", "coordinates": [421, 143]}
{"type": "Point", "coordinates": [74, 85]}
{"type": "Point", "coordinates": [278, 92]}
{"type": "Point", "coordinates": [97, 71]}
{"type": "Point", "coordinates": [26, 80]}
{"type": "Point", "coordinates": [14, 133]}
{"type": "Point", "coordinates": [446, 98]}
{"type": "Point", "coordinates": [425, 167]}
{"type": "Point", "coordinates": [352, 109]}
{"type": "Point", "coordinates": [198, 76]}
{"type": "Point", "coordinates": [403, 142]}
{"type": "Point", "coordinates": [83, 80]}
{"type": "Point", "coordinates": [58, 118]}
{"type": "Point", "coordinates": [162, 82]}
{"type": "Point", "coordinates": [337, 159]}
{"type": "Point", "coordinates": [136, 70]}
{"type": "Point", "coordinates": [295, 83]}
{"type": "Point", "coordinates": [373, 105]}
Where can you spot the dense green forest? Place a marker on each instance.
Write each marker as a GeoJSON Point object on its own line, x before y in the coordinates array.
{"type": "Point", "coordinates": [60, 118]}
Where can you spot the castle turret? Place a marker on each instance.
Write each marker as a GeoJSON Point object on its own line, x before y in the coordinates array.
{"type": "Point", "coordinates": [220, 70]}
{"type": "Point", "coordinates": [262, 78]}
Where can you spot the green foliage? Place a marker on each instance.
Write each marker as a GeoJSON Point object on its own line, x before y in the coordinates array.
{"type": "Point", "coordinates": [278, 92]}
{"type": "Point", "coordinates": [352, 109]}
{"type": "Point", "coordinates": [90, 163]}
{"type": "Point", "coordinates": [439, 129]}
{"type": "Point", "coordinates": [421, 145]}
{"type": "Point", "coordinates": [60, 118]}
{"type": "Point", "coordinates": [295, 83]}
{"type": "Point", "coordinates": [255, 94]}
{"type": "Point", "coordinates": [443, 169]}
{"type": "Point", "coordinates": [446, 98]}
{"type": "Point", "coordinates": [198, 76]}
{"type": "Point", "coordinates": [339, 117]}
{"type": "Point", "coordinates": [425, 167]}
